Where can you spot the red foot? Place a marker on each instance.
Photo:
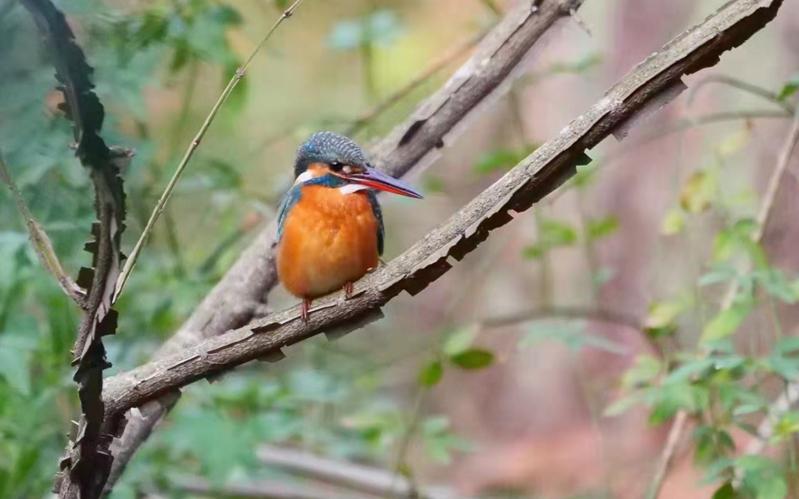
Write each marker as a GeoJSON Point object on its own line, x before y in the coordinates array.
{"type": "Point", "coordinates": [348, 289]}
{"type": "Point", "coordinates": [305, 309]}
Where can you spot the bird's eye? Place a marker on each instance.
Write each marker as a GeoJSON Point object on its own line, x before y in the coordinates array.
{"type": "Point", "coordinates": [336, 165]}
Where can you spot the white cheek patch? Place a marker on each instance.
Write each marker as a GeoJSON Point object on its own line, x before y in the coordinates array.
{"type": "Point", "coordinates": [303, 177]}
{"type": "Point", "coordinates": [350, 188]}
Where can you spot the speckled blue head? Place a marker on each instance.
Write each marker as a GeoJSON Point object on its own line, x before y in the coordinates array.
{"type": "Point", "coordinates": [328, 148]}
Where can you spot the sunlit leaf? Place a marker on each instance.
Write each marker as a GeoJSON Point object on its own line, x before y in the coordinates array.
{"type": "Point", "coordinates": [734, 142]}
{"type": "Point", "coordinates": [726, 322]}
{"type": "Point", "coordinates": [673, 222]}
{"type": "Point", "coordinates": [459, 340]}
{"type": "Point", "coordinates": [698, 191]}
{"type": "Point", "coordinates": [662, 317]}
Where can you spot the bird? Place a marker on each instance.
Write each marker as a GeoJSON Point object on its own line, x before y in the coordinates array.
{"type": "Point", "coordinates": [329, 227]}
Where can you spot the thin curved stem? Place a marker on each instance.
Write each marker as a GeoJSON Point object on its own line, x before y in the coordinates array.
{"type": "Point", "coordinates": [130, 263]}
{"type": "Point", "coordinates": [740, 85]}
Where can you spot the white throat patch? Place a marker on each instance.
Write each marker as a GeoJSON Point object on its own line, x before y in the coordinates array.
{"type": "Point", "coordinates": [350, 188]}
{"type": "Point", "coordinates": [303, 177]}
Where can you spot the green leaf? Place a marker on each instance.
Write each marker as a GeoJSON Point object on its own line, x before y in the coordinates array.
{"type": "Point", "coordinates": [643, 372]}
{"type": "Point", "coordinates": [698, 191]}
{"type": "Point", "coordinates": [598, 228]}
{"type": "Point", "coordinates": [719, 273]}
{"type": "Point", "coordinates": [431, 373]}
{"type": "Point", "coordinates": [786, 426]}
{"type": "Point", "coordinates": [712, 444]}
{"type": "Point", "coordinates": [726, 491]}
{"type": "Point", "coordinates": [662, 317]}
{"type": "Point", "coordinates": [775, 282]}
{"type": "Point", "coordinates": [474, 358]}
{"type": "Point", "coordinates": [791, 87]}
{"type": "Point", "coordinates": [621, 405]}
{"type": "Point", "coordinates": [762, 477]}
{"type": "Point", "coordinates": [733, 143]}
{"type": "Point", "coordinates": [671, 398]}
{"type": "Point", "coordinates": [726, 322]}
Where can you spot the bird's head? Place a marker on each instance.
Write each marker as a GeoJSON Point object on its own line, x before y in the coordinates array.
{"type": "Point", "coordinates": [328, 153]}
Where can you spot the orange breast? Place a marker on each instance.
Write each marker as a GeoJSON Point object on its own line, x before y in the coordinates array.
{"type": "Point", "coordinates": [329, 239]}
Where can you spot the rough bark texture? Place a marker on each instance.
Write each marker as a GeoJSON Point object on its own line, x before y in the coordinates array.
{"type": "Point", "coordinates": [647, 87]}
{"type": "Point", "coordinates": [87, 461]}
{"type": "Point", "coordinates": [234, 301]}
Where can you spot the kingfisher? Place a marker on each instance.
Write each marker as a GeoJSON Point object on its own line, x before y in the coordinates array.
{"type": "Point", "coordinates": [329, 226]}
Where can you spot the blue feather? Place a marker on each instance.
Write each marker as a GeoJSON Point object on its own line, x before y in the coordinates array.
{"type": "Point", "coordinates": [379, 216]}
{"type": "Point", "coordinates": [289, 200]}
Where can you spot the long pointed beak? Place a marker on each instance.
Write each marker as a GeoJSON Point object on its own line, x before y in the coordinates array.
{"type": "Point", "coordinates": [376, 179]}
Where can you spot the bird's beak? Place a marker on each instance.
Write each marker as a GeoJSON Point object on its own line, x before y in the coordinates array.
{"type": "Point", "coordinates": [374, 178]}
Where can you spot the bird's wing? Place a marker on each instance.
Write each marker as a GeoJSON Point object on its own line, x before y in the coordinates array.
{"type": "Point", "coordinates": [379, 216]}
{"type": "Point", "coordinates": [288, 202]}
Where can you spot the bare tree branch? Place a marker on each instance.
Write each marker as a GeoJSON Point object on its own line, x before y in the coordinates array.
{"type": "Point", "coordinates": [356, 477]}
{"type": "Point", "coordinates": [667, 455]}
{"type": "Point", "coordinates": [236, 298]}
{"type": "Point", "coordinates": [649, 85]}
{"type": "Point", "coordinates": [84, 469]}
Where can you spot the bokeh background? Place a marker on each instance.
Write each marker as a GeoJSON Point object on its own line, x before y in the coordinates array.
{"type": "Point", "coordinates": [496, 380]}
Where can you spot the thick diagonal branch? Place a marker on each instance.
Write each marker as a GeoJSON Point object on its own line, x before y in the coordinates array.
{"type": "Point", "coordinates": [235, 298]}
{"type": "Point", "coordinates": [648, 86]}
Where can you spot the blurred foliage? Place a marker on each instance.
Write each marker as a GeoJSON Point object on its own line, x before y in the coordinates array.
{"type": "Point", "coordinates": [722, 386]}
{"type": "Point", "coordinates": [215, 431]}
{"type": "Point", "coordinates": [327, 399]}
